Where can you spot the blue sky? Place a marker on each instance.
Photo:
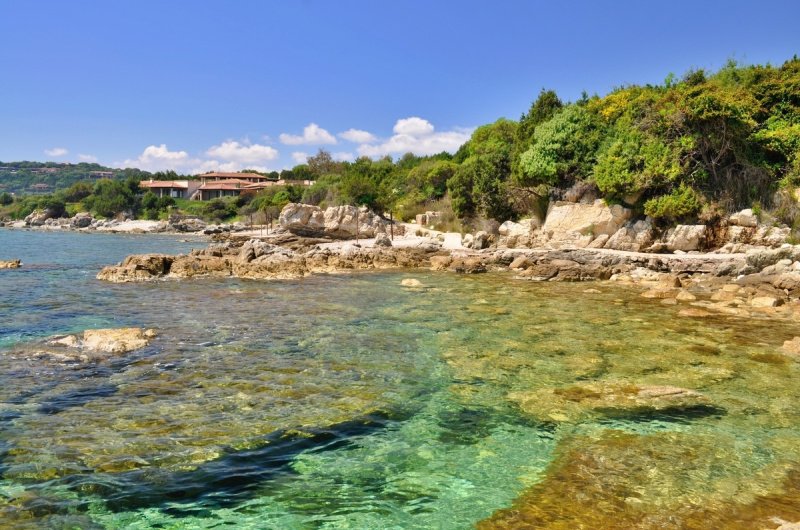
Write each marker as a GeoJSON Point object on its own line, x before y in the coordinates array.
{"type": "Point", "coordinates": [203, 85]}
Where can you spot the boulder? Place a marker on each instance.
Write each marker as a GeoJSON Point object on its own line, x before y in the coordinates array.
{"type": "Point", "coordinates": [121, 340]}
{"type": "Point", "coordinates": [467, 265]}
{"type": "Point", "coordinates": [382, 240]}
{"type": "Point", "coordinates": [743, 218]}
{"type": "Point", "coordinates": [634, 236]}
{"type": "Point", "coordinates": [411, 282]}
{"type": "Point", "coordinates": [39, 217]}
{"type": "Point", "coordinates": [440, 263]}
{"type": "Point", "coordinates": [187, 224]}
{"type": "Point", "coordinates": [520, 263]}
{"type": "Point", "coordinates": [523, 228]}
{"type": "Point", "coordinates": [254, 248]}
{"type": "Point", "coordinates": [339, 222]}
{"type": "Point", "coordinates": [766, 301]}
{"type": "Point", "coordinates": [81, 220]}
{"type": "Point", "coordinates": [579, 224]}
{"type": "Point", "coordinates": [137, 267]}
{"type": "Point", "coordinates": [481, 240]}
{"type": "Point", "coordinates": [686, 237]}
{"type": "Point", "coordinates": [792, 348]}
{"type": "Point", "coordinates": [11, 264]}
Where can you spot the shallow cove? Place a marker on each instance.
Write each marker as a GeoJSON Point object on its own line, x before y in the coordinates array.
{"type": "Point", "coordinates": [352, 402]}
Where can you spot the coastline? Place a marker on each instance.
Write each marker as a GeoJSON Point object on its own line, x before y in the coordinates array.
{"type": "Point", "coordinates": [760, 282]}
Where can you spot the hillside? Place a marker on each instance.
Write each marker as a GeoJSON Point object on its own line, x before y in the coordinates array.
{"type": "Point", "coordinates": [47, 177]}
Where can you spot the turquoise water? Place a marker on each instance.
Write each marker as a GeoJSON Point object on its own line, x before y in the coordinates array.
{"type": "Point", "coordinates": [350, 401]}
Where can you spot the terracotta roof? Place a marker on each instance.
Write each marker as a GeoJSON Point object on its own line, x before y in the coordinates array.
{"type": "Point", "coordinates": [219, 175]}
{"type": "Point", "coordinates": [163, 184]}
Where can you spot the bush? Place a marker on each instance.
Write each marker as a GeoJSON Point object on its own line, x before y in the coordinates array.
{"type": "Point", "coordinates": [682, 203]}
{"type": "Point", "coordinates": [219, 209]}
{"type": "Point", "coordinates": [6, 199]}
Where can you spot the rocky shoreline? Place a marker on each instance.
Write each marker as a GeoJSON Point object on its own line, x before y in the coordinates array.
{"type": "Point", "coordinates": [750, 270]}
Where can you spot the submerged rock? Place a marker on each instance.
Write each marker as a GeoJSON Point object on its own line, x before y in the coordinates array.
{"type": "Point", "coordinates": [116, 340]}
{"type": "Point", "coordinates": [661, 480]}
{"type": "Point", "coordinates": [582, 401]}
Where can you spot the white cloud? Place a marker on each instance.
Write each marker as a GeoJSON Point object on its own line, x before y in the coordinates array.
{"type": "Point", "coordinates": [228, 156]}
{"type": "Point", "coordinates": [205, 166]}
{"type": "Point", "coordinates": [159, 158]}
{"type": "Point", "coordinates": [56, 151]}
{"type": "Point", "coordinates": [413, 126]}
{"type": "Point", "coordinates": [418, 136]}
{"type": "Point", "coordinates": [357, 136]}
{"type": "Point", "coordinates": [87, 158]}
{"type": "Point", "coordinates": [312, 134]}
{"type": "Point", "coordinates": [299, 157]}
{"type": "Point", "coordinates": [234, 151]}
{"type": "Point", "coordinates": [343, 156]}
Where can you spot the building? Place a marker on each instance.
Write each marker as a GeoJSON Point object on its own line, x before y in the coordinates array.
{"type": "Point", "coordinates": [101, 174]}
{"type": "Point", "coordinates": [215, 186]}
{"type": "Point", "coordinates": [40, 188]}
{"type": "Point", "coordinates": [177, 189]}
{"type": "Point", "coordinates": [247, 177]}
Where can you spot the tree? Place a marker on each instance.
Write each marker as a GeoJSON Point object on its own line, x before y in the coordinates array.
{"type": "Point", "coordinates": [110, 197]}
{"type": "Point", "coordinates": [563, 149]}
{"type": "Point", "coordinates": [6, 198]}
{"type": "Point", "coordinates": [323, 164]}
{"type": "Point", "coordinates": [78, 191]}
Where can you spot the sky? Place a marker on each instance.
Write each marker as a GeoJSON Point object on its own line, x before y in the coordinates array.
{"type": "Point", "coordinates": [200, 86]}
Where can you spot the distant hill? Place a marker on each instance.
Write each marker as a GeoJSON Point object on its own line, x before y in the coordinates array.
{"type": "Point", "coordinates": [46, 177]}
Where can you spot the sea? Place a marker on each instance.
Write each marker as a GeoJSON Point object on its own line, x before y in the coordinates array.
{"type": "Point", "coordinates": [351, 401]}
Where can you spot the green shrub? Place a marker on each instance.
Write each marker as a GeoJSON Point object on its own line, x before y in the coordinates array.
{"type": "Point", "coordinates": [682, 203]}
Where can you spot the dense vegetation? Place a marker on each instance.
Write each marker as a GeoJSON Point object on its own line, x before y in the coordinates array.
{"type": "Point", "coordinates": [19, 177]}
{"type": "Point", "coordinates": [694, 147]}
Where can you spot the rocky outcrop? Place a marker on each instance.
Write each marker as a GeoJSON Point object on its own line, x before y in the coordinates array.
{"type": "Point", "coordinates": [138, 267]}
{"type": "Point", "coordinates": [338, 222]}
{"type": "Point", "coordinates": [565, 219]}
{"type": "Point", "coordinates": [38, 217]}
{"type": "Point", "coordinates": [256, 259]}
{"type": "Point", "coordinates": [686, 238]}
{"type": "Point", "coordinates": [81, 220]}
{"type": "Point", "coordinates": [11, 264]}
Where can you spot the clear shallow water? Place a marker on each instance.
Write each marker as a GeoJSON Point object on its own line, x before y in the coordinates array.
{"type": "Point", "coordinates": [352, 402]}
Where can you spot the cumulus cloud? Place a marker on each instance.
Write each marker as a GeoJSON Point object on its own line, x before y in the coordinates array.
{"type": "Point", "coordinates": [313, 134]}
{"type": "Point", "coordinates": [159, 158]}
{"type": "Point", "coordinates": [56, 151]}
{"type": "Point", "coordinates": [206, 166]}
{"type": "Point", "coordinates": [357, 136]}
{"type": "Point", "coordinates": [234, 151]}
{"type": "Point", "coordinates": [228, 156]}
{"type": "Point", "coordinates": [87, 158]}
{"type": "Point", "coordinates": [413, 126]}
{"type": "Point", "coordinates": [418, 136]}
{"type": "Point", "coordinates": [299, 157]}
